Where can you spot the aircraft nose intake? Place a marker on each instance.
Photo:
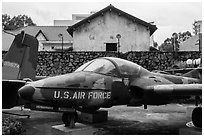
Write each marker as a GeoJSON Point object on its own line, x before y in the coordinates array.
{"type": "Point", "coordinates": [26, 92]}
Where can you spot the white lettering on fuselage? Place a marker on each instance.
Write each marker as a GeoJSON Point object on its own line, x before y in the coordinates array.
{"type": "Point", "coordinates": [78, 95]}
{"type": "Point", "coordinates": [99, 95]}
{"type": "Point", "coordinates": [81, 95]}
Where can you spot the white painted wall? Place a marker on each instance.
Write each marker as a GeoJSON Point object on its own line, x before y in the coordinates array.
{"type": "Point", "coordinates": [57, 45]}
{"type": "Point", "coordinates": [93, 36]}
{"type": "Point", "coordinates": [47, 45]}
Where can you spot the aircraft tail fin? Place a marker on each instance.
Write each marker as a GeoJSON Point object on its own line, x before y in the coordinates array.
{"type": "Point", "coordinates": [21, 59]}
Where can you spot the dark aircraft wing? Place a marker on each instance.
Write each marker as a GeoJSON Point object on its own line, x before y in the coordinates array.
{"type": "Point", "coordinates": [171, 90]}
{"type": "Point", "coordinates": [187, 72]}
{"type": "Point", "coordinates": [195, 73]}
{"type": "Point", "coordinates": [179, 71]}
{"type": "Point", "coordinates": [176, 89]}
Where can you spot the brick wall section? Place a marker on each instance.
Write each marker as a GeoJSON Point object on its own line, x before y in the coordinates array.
{"type": "Point", "coordinates": [55, 63]}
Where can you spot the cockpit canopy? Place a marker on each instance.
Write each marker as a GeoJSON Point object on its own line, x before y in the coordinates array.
{"type": "Point", "coordinates": [111, 66]}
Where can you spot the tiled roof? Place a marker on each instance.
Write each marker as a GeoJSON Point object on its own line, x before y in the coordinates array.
{"type": "Point", "coordinates": [191, 44]}
{"type": "Point", "coordinates": [51, 32]}
{"type": "Point", "coordinates": [152, 28]}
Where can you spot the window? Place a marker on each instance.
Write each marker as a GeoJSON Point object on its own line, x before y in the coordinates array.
{"type": "Point", "coordinates": [127, 67]}
{"type": "Point", "coordinates": [102, 66]}
{"type": "Point", "coordinates": [83, 66]}
{"type": "Point", "coordinates": [111, 46]}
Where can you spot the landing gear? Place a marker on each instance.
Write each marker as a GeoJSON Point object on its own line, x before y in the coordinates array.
{"type": "Point", "coordinates": [197, 117]}
{"type": "Point", "coordinates": [69, 119]}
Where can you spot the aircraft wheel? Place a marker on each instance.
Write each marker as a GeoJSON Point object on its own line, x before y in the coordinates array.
{"type": "Point", "coordinates": [69, 119]}
{"type": "Point", "coordinates": [197, 117]}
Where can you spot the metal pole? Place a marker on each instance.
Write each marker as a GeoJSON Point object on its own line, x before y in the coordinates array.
{"type": "Point", "coordinates": [118, 36]}
{"type": "Point", "coordinates": [62, 43]}
{"type": "Point", "coordinates": [174, 44]}
{"type": "Point", "coordinates": [118, 47]}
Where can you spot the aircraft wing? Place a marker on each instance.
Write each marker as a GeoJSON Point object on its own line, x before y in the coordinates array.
{"type": "Point", "coordinates": [160, 94]}
{"type": "Point", "coordinates": [171, 90]}
{"type": "Point", "coordinates": [176, 89]}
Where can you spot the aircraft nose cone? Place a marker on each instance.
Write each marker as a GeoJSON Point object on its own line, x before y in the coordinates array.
{"type": "Point", "coordinates": [26, 92]}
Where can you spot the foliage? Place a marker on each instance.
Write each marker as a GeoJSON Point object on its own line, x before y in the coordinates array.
{"type": "Point", "coordinates": [11, 126]}
{"type": "Point", "coordinates": [166, 47]}
{"type": "Point", "coordinates": [172, 44]}
{"type": "Point", "coordinates": [155, 44]}
{"type": "Point", "coordinates": [184, 36]}
{"type": "Point", "coordinates": [16, 22]}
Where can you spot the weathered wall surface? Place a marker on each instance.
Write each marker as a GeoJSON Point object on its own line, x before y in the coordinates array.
{"type": "Point", "coordinates": [55, 63]}
{"type": "Point", "coordinates": [94, 35]}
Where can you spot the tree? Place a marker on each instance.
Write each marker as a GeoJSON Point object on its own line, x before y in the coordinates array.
{"type": "Point", "coordinates": [16, 22]}
{"type": "Point", "coordinates": [155, 45]}
{"type": "Point", "coordinates": [184, 36]}
{"type": "Point", "coordinates": [166, 46]}
{"type": "Point", "coordinates": [175, 42]}
{"type": "Point", "coordinates": [172, 44]}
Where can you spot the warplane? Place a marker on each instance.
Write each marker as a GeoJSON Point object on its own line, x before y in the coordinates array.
{"type": "Point", "coordinates": [100, 83]}
{"type": "Point", "coordinates": [107, 82]}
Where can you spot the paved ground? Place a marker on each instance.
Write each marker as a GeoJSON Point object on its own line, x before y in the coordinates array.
{"type": "Point", "coordinates": [156, 120]}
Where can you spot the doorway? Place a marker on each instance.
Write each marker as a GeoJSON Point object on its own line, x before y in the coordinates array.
{"type": "Point", "coordinates": [111, 46]}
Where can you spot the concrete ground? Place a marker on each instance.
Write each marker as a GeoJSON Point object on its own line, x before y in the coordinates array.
{"type": "Point", "coordinates": [122, 120]}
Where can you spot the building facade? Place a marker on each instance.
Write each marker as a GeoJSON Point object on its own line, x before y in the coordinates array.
{"type": "Point", "coordinates": [197, 26]}
{"type": "Point", "coordinates": [109, 29]}
{"type": "Point", "coordinates": [75, 18]}
{"type": "Point", "coordinates": [51, 38]}
{"type": "Point", "coordinates": [100, 31]}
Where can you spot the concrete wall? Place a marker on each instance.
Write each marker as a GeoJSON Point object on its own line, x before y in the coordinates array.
{"type": "Point", "coordinates": [93, 36]}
